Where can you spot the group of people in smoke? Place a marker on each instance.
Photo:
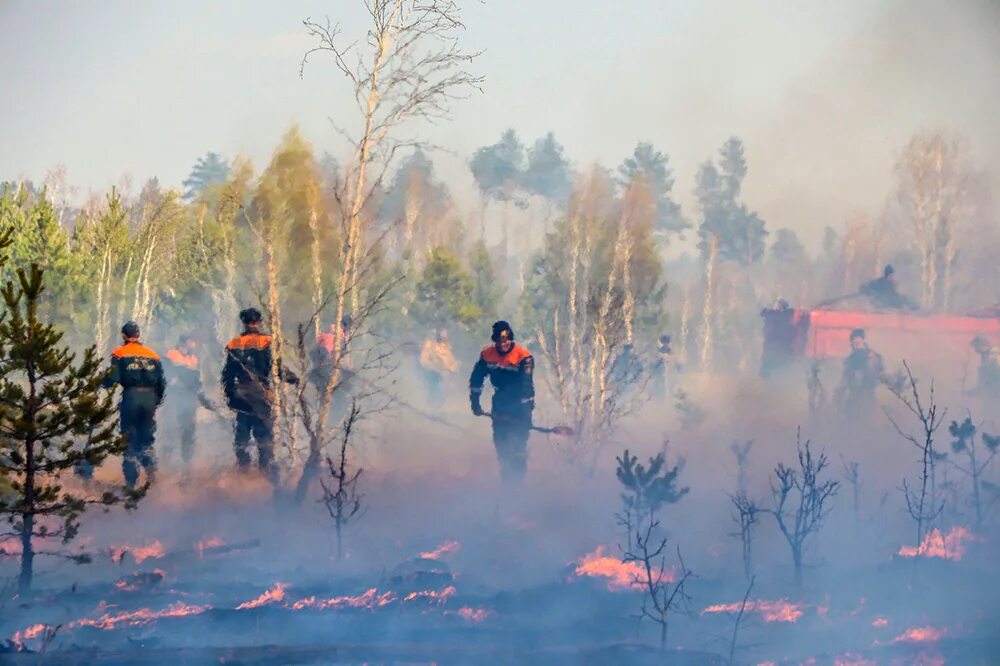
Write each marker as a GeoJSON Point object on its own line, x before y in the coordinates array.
{"type": "Point", "coordinates": [250, 366]}
{"type": "Point", "coordinates": [864, 368]}
{"type": "Point", "coordinates": [246, 383]}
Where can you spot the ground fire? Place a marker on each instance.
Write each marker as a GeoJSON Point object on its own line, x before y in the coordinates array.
{"type": "Point", "coordinates": [451, 332]}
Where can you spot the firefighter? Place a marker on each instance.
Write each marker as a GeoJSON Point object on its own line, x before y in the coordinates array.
{"type": "Point", "coordinates": [246, 383]}
{"type": "Point", "coordinates": [323, 360]}
{"type": "Point", "coordinates": [863, 372]}
{"type": "Point", "coordinates": [137, 369]}
{"type": "Point", "coordinates": [510, 368]}
{"type": "Point", "coordinates": [437, 360]}
{"type": "Point", "coordinates": [988, 379]}
{"type": "Point", "coordinates": [780, 330]}
{"type": "Point", "coordinates": [882, 292]}
{"type": "Point", "coordinates": [665, 369]}
{"type": "Point", "coordinates": [185, 379]}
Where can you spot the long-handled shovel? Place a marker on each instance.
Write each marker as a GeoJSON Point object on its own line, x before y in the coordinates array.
{"type": "Point", "coordinates": [562, 430]}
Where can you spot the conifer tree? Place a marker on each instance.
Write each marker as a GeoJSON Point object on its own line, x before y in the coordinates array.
{"type": "Point", "coordinates": [52, 418]}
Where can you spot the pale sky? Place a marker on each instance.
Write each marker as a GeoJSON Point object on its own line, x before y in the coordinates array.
{"type": "Point", "coordinates": [824, 93]}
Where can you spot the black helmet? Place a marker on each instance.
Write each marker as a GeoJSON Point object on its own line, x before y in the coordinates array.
{"type": "Point", "coordinates": [888, 270]}
{"type": "Point", "coordinates": [130, 330]}
{"type": "Point", "coordinates": [250, 316]}
{"type": "Point", "coordinates": [498, 330]}
{"type": "Point", "coordinates": [858, 333]}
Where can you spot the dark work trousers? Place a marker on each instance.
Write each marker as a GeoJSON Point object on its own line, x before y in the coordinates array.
{"type": "Point", "coordinates": [260, 425]}
{"type": "Point", "coordinates": [186, 419]}
{"type": "Point", "coordinates": [435, 387]}
{"type": "Point", "coordinates": [138, 424]}
{"type": "Point", "coordinates": [510, 438]}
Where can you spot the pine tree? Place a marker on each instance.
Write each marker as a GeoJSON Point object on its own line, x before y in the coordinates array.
{"type": "Point", "coordinates": [52, 418]}
{"type": "Point", "coordinates": [209, 170]}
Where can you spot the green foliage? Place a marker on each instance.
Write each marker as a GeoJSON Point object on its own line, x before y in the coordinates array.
{"type": "Point", "coordinates": [498, 168]}
{"type": "Point", "coordinates": [212, 169]}
{"type": "Point", "coordinates": [648, 488]}
{"type": "Point", "coordinates": [547, 173]}
{"type": "Point", "coordinates": [52, 418]}
{"type": "Point", "coordinates": [962, 432]}
{"type": "Point", "coordinates": [487, 288]}
{"type": "Point", "coordinates": [739, 232]}
{"type": "Point", "coordinates": [651, 167]}
{"type": "Point", "coordinates": [445, 292]}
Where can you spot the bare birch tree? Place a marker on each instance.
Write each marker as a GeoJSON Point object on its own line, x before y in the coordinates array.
{"type": "Point", "coordinates": [409, 68]}
{"type": "Point", "coordinates": [933, 187]}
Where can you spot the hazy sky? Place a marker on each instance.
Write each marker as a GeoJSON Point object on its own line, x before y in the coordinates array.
{"type": "Point", "coordinates": [824, 93]}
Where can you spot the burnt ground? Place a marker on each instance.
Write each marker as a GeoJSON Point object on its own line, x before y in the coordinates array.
{"type": "Point", "coordinates": [265, 587]}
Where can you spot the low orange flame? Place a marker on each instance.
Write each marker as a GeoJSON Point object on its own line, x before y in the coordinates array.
{"type": "Point", "coordinates": [142, 616]}
{"type": "Point", "coordinates": [34, 631]}
{"type": "Point", "coordinates": [139, 553]}
{"type": "Point", "coordinates": [620, 575]}
{"type": "Point", "coordinates": [449, 547]}
{"type": "Point", "coordinates": [781, 610]}
{"type": "Point", "coordinates": [920, 635]}
{"type": "Point", "coordinates": [950, 546]}
{"type": "Point", "coordinates": [474, 615]}
{"type": "Point", "coordinates": [435, 596]}
{"type": "Point", "coordinates": [274, 595]}
{"type": "Point", "coordinates": [880, 622]}
{"type": "Point", "coordinates": [369, 599]}
{"type": "Point", "coordinates": [852, 660]}
{"type": "Point", "coordinates": [205, 544]}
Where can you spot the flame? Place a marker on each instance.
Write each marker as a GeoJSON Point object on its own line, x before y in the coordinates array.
{"type": "Point", "coordinates": [274, 595]}
{"type": "Point", "coordinates": [474, 615]}
{"type": "Point", "coordinates": [449, 547]}
{"type": "Point", "coordinates": [206, 544]}
{"type": "Point", "coordinates": [142, 616]}
{"type": "Point", "coordinates": [620, 575]}
{"type": "Point", "coordinates": [139, 553]}
{"type": "Point", "coordinates": [369, 599]}
{"type": "Point", "coordinates": [781, 610]}
{"type": "Point", "coordinates": [849, 659]}
{"type": "Point", "coordinates": [920, 635]}
{"type": "Point", "coordinates": [34, 631]}
{"type": "Point", "coordinates": [950, 546]}
{"type": "Point", "coordinates": [438, 597]}
{"type": "Point", "coordinates": [880, 622]}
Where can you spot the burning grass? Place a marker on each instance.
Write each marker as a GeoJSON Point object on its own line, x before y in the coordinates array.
{"type": "Point", "coordinates": [920, 635]}
{"type": "Point", "coordinates": [154, 551]}
{"type": "Point", "coordinates": [449, 547]}
{"type": "Point", "coordinates": [620, 575]}
{"type": "Point", "coordinates": [271, 596]}
{"type": "Point", "coordinates": [950, 546]}
{"type": "Point", "coordinates": [780, 610]}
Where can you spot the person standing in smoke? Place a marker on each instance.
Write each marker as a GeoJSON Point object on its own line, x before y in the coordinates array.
{"type": "Point", "coordinates": [185, 377]}
{"type": "Point", "coordinates": [664, 369]}
{"type": "Point", "coordinates": [883, 293]}
{"type": "Point", "coordinates": [437, 360]}
{"type": "Point", "coordinates": [863, 372]}
{"type": "Point", "coordinates": [246, 383]}
{"type": "Point", "coordinates": [988, 376]}
{"type": "Point", "coordinates": [510, 368]}
{"type": "Point", "coordinates": [137, 369]}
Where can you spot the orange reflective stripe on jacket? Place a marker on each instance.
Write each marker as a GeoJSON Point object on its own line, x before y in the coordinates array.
{"type": "Point", "coordinates": [134, 350]}
{"type": "Point", "coordinates": [250, 341]}
{"type": "Point", "coordinates": [510, 361]}
{"type": "Point", "coordinates": [177, 357]}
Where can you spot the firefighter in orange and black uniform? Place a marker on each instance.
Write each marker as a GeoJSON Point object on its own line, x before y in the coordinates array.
{"type": "Point", "coordinates": [182, 366]}
{"type": "Point", "coordinates": [246, 382]}
{"type": "Point", "coordinates": [510, 368]}
{"type": "Point", "coordinates": [137, 369]}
